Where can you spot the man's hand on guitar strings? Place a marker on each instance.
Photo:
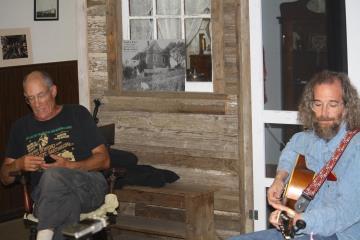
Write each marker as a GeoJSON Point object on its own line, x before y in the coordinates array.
{"type": "Point", "coordinates": [275, 192]}
{"type": "Point", "coordinates": [274, 219]}
{"type": "Point", "coordinates": [289, 212]}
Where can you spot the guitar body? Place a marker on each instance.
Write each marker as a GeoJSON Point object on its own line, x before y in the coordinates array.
{"type": "Point", "coordinates": [300, 178]}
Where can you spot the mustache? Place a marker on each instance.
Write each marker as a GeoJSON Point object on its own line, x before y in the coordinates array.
{"type": "Point", "coordinates": [321, 118]}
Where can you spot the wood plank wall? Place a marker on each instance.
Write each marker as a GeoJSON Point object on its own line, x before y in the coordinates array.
{"type": "Point", "coordinates": [196, 136]}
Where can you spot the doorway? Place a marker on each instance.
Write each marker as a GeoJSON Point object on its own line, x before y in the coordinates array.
{"type": "Point", "coordinates": [291, 40]}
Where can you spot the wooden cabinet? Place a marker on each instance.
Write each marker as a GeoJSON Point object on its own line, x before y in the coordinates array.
{"type": "Point", "coordinates": [304, 49]}
{"type": "Point", "coordinates": [200, 68]}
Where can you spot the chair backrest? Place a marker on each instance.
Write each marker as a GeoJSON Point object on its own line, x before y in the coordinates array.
{"type": "Point", "coordinates": [108, 131]}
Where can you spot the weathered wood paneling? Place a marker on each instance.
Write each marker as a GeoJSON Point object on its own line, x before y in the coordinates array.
{"type": "Point", "coordinates": [195, 135]}
{"type": "Point", "coordinates": [192, 105]}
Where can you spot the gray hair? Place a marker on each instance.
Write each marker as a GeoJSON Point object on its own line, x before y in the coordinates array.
{"type": "Point", "coordinates": [349, 94]}
{"type": "Point", "coordinates": [45, 77]}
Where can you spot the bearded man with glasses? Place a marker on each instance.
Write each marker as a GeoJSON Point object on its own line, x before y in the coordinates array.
{"type": "Point", "coordinates": [67, 133]}
{"type": "Point", "coordinates": [328, 110]}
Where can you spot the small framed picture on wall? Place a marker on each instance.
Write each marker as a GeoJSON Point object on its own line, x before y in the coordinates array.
{"type": "Point", "coordinates": [15, 47]}
{"type": "Point", "coordinates": [46, 10]}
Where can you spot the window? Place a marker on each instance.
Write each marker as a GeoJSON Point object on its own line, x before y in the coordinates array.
{"type": "Point", "coordinates": [161, 20]}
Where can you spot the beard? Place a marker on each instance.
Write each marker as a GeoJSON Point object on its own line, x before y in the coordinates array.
{"type": "Point", "coordinates": [327, 132]}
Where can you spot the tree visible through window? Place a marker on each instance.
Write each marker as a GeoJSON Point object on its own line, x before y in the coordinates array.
{"type": "Point", "coordinates": [186, 20]}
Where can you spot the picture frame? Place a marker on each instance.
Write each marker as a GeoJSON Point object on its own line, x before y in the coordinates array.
{"type": "Point", "coordinates": [154, 65]}
{"type": "Point", "coordinates": [15, 47]}
{"type": "Point", "coordinates": [46, 10]}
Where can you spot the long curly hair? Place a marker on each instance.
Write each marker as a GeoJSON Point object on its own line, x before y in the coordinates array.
{"type": "Point", "coordinates": [349, 93]}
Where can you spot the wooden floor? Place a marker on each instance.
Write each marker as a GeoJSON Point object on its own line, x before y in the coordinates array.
{"type": "Point", "coordinates": [13, 230]}
{"type": "Point", "coordinates": [130, 235]}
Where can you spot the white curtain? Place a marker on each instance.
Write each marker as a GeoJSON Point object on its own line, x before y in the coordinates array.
{"type": "Point", "coordinates": [193, 25]}
{"type": "Point", "coordinates": [168, 7]}
{"type": "Point", "coordinates": [169, 28]}
{"type": "Point", "coordinates": [141, 29]}
{"type": "Point", "coordinates": [140, 7]}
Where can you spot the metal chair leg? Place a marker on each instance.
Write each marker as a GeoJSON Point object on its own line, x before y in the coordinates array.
{"type": "Point", "coordinates": [33, 233]}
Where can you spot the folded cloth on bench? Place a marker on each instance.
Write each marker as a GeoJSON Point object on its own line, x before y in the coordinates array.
{"type": "Point", "coordinates": [145, 175]}
{"type": "Point", "coordinates": [122, 159]}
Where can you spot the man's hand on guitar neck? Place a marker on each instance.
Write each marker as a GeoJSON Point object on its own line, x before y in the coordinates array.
{"type": "Point", "coordinates": [276, 189]}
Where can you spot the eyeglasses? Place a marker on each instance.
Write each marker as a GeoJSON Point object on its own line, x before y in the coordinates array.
{"type": "Point", "coordinates": [317, 105]}
{"type": "Point", "coordinates": [40, 97]}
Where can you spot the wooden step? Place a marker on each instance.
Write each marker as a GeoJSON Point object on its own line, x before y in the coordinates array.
{"type": "Point", "coordinates": [151, 226]}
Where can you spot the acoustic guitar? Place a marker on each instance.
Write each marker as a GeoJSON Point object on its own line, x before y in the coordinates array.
{"type": "Point", "coordinates": [300, 178]}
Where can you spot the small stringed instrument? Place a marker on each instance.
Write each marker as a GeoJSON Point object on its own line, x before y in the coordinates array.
{"type": "Point", "coordinates": [300, 178]}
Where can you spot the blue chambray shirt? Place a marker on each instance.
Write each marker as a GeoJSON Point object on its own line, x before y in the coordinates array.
{"type": "Point", "coordinates": [336, 206]}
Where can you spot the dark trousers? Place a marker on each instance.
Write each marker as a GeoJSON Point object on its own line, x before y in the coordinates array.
{"type": "Point", "coordinates": [62, 194]}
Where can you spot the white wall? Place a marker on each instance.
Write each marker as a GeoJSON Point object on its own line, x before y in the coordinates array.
{"type": "Point", "coordinates": [353, 40]}
{"type": "Point", "coordinates": [52, 41]}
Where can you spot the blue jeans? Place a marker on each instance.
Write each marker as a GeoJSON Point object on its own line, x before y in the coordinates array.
{"type": "Point", "coordinates": [273, 234]}
{"type": "Point", "coordinates": [62, 194]}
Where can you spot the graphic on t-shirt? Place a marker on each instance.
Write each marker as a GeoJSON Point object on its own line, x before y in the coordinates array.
{"type": "Point", "coordinates": [43, 141]}
{"type": "Point", "coordinates": [56, 142]}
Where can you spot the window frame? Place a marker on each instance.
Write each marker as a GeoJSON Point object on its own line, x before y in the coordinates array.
{"type": "Point", "coordinates": [114, 37]}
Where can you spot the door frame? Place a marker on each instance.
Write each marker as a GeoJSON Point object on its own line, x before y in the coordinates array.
{"type": "Point", "coordinates": [261, 116]}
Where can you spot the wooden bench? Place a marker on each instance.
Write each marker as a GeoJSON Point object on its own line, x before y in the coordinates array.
{"type": "Point", "coordinates": [197, 202]}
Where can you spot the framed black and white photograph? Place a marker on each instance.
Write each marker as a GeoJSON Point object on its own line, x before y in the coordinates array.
{"type": "Point", "coordinates": [15, 47]}
{"type": "Point", "coordinates": [153, 65]}
{"type": "Point", "coordinates": [46, 10]}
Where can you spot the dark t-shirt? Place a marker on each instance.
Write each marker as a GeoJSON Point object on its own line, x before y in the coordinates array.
{"type": "Point", "coordinates": [71, 134]}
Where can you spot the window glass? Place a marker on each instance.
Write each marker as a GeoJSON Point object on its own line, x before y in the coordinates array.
{"type": "Point", "coordinates": [197, 7]}
{"type": "Point", "coordinates": [198, 49]}
{"type": "Point", "coordinates": [198, 38]}
{"type": "Point", "coordinates": [166, 7]}
{"type": "Point", "coordinates": [183, 26]}
{"type": "Point", "coordinates": [140, 7]}
{"type": "Point", "coordinates": [276, 137]}
{"type": "Point", "coordinates": [141, 29]}
{"type": "Point", "coordinates": [169, 28]}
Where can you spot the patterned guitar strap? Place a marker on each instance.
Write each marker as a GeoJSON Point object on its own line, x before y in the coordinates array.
{"type": "Point", "coordinates": [309, 193]}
